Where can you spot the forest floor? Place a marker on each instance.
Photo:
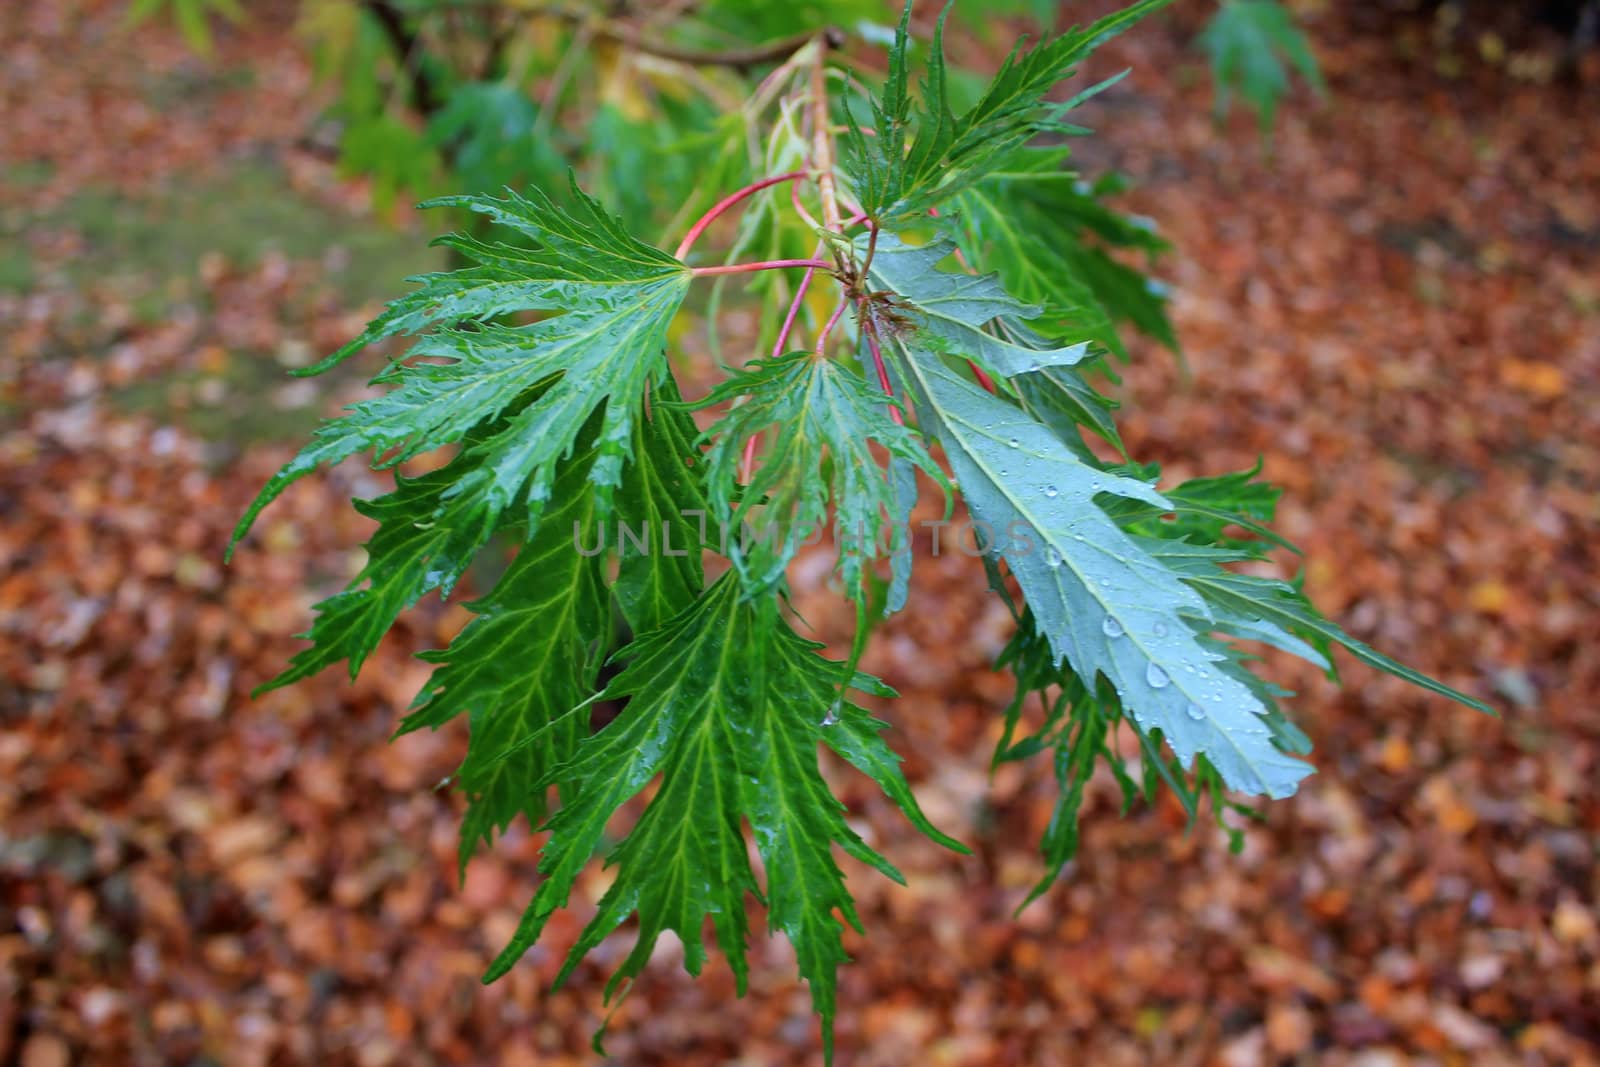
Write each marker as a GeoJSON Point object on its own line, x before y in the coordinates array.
{"type": "Point", "coordinates": [1398, 308]}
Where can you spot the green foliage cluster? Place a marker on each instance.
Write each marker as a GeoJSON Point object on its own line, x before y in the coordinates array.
{"type": "Point", "coordinates": [538, 376]}
{"type": "Point", "coordinates": [473, 96]}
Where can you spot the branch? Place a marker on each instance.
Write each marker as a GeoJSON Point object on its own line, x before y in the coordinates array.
{"type": "Point", "coordinates": [822, 146]}
{"type": "Point", "coordinates": [728, 201]}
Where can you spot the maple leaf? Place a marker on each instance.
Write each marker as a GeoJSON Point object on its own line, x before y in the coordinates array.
{"type": "Point", "coordinates": [659, 495]}
{"type": "Point", "coordinates": [924, 153]}
{"type": "Point", "coordinates": [728, 705]}
{"type": "Point", "coordinates": [1045, 231]}
{"type": "Point", "coordinates": [531, 653]}
{"type": "Point", "coordinates": [826, 417]}
{"type": "Point", "coordinates": [514, 397]}
{"type": "Point", "coordinates": [967, 313]}
{"type": "Point", "coordinates": [1105, 604]}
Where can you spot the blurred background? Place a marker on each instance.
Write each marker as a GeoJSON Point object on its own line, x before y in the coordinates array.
{"type": "Point", "coordinates": [1379, 254]}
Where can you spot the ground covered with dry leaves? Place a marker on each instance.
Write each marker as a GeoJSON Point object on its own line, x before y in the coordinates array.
{"type": "Point", "coordinates": [1399, 309]}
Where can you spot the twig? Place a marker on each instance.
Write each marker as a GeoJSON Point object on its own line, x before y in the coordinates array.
{"type": "Point", "coordinates": [727, 202]}
{"type": "Point", "coordinates": [822, 338]}
{"type": "Point", "coordinates": [870, 330]}
{"type": "Point", "coordinates": [767, 264]}
{"type": "Point", "coordinates": [794, 309]}
{"type": "Point", "coordinates": [822, 145]}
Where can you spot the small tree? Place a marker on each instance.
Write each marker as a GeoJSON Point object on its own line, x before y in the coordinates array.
{"type": "Point", "coordinates": [541, 369]}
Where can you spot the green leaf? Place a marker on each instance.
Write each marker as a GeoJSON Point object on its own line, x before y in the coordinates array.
{"type": "Point", "coordinates": [1267, 609]}
{"type": "Point", "coordinates": [965, 313]}
{"type": "Point", "coordinates": [1063, 399]}
{"type": "Point", "coordinates": [1046, 233]}
{"type": "Point", "coordinates": [1080, 728]}
{"type": "Point", "coordinates": [728, 705]}
{"type": "Point", "coordinates": [923, 154]}
{"type": "Point", "coordinates": [615, 296]}
{"type": "Point", "coordinates": [407, 558]}
{"type": "Point", "coordinates": [487, 132]}
{"type": "Point", "coordinates": [1203, 510]}
{"type": "Point", "coordinates": [825, 418]}
{"type": "Point", "coordinates": [531, 653]}
{"type": "Point", "coordinates": [662, 500]}
{"type": "Point", "coordinates": [1249, 42]}
{"type": "Point", "coordinates": [1105, 604]}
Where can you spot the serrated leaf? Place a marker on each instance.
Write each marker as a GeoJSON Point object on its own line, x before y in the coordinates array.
{"type": "Point", "coordinates": [615, 296]}
{"type": "Point", "coordinates": [1063, 399]}
{"type": "Point", "coordinates": [1044, 231]}
{"type": "Point", "coordinates": [407, 558]}
{"type": "Point", "coordinates": [1203, 509]}
{"type": "Point", "coordinates": [953, 308]}
{"type": "Point", "coordinates": [825, 417]}
{"type": "Point", "coordinates": [1252, 601]}
{"type": "Point", "coordinates": [1080, 729]}
{"type": "Point", "coordinates": [662, 498]}
{"type": "Point", "coordinates": [1105, 605]}
{"type": "Point", "coordinates": [925, 153]}
{"type": "Point", "coordinates": [728, 705]}
{"type": "Point", "coordinates": [531, 653]}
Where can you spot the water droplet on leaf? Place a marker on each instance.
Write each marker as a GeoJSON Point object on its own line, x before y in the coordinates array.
{"type": "Point", "coordinates": [1156, 677]}
{"type": "Point", "coordinates": [1112, 627]}
{"type": "Point", "coordinates": [1159, 629]}
{"type": "Point", "coordinates": [1195, 713]}
{"type": "Point", "coordinates": [1051, 491]}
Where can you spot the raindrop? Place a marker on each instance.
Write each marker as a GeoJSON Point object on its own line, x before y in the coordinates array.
{"type": "Point", "coordinates": [1105, 581]}
{"type": "Point", "coordinates": [1159, 629]}
{"type": "Point", "coordinates": [1015, 443]}
{"type": "Point", "coordinates": [832, 716]}
{"type": "Point", "coordinates": [1051, 491]}
{"type": "Point", "coordinates": [1112, 627]}
{"type": "Point", "coordinates": [1156, 677]}
{"type": "Point", "coordinates": [1195, 713]}
{"type": "Point", "coordinates": [1077, 537]}
{"type": "Point", "coordinates": [1052, 557]}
